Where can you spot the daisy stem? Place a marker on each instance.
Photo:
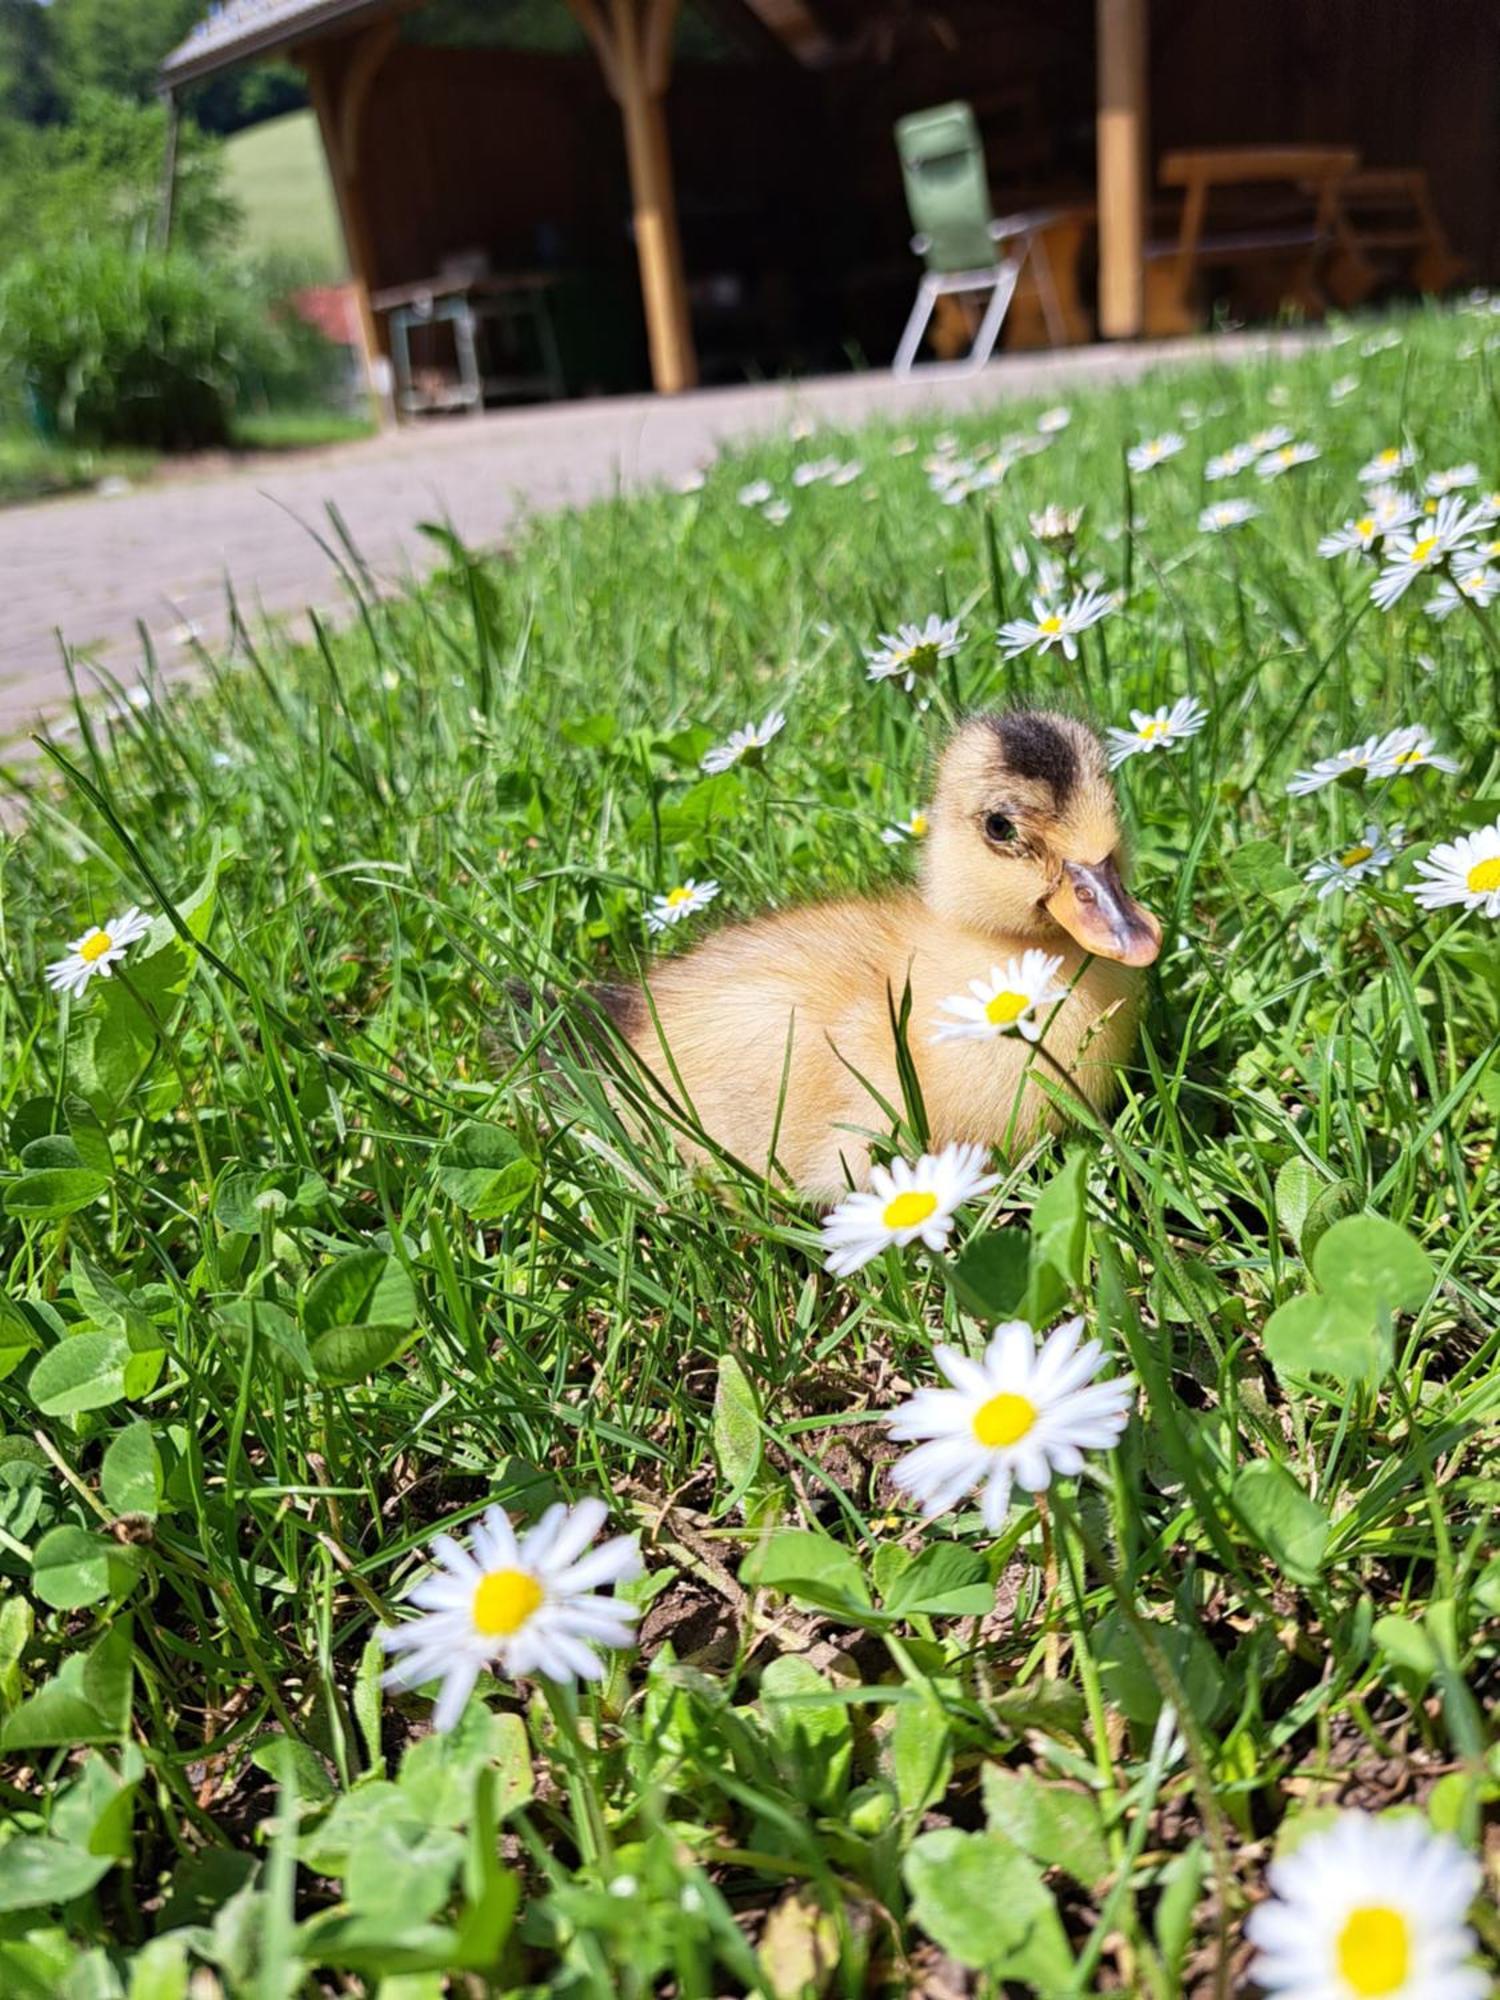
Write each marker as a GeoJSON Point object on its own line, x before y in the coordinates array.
{"type": "Point", "coordinates": [1052, 1655]}
{"type": "Point", "coordinates": [1491, 643]}
{"type": "Point", "coordinates": [588, 1814]}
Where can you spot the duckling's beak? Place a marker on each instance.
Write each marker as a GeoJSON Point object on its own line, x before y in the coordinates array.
{"type": "Point", "coordinates": [1094, 906]}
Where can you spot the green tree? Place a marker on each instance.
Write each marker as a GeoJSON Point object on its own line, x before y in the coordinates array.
{"type": "Point", "coordinates": [104, 45]}
{"type": "Point", "coordinates": [29, 87]}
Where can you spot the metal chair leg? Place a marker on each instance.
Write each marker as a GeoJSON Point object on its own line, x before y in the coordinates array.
{"type": "Point", "coordinates": [916, 326]}
{"type": "Point", "coordinates": [1006, 274]}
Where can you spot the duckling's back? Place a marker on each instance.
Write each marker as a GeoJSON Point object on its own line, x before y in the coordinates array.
{"type": "Point", "coordinates": [776, 1036]}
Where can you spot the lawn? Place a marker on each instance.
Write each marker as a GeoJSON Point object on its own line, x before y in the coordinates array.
{"type": "Point", "coordinates": [276, 172]}
{"type": "Point", "coordinates": [328, 1226]}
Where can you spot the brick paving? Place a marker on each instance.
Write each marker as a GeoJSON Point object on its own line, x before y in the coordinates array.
{"type": "Point", "coordinates": [93, 567]}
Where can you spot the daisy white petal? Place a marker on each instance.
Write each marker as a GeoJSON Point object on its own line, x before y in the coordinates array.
{"type": "Point", "coordinates": [684, 901]}
{"type": "Point", "coordinates": [1283, 458]}
{"type": "Point", "coordinates": [1420, 550]}
{"type": "Point", "coordinates": [914, 652]}
{"type": "Point", "coordinates": [1167, 729]}
{"type": "Point", "coordinates": [1462, 873]}
{"type": "Point", "coordinates": [1055, 624]}
{"type": "Point", "coordinates": [914, 828]}
{"type": "Point", "coordinates": [1370, 1908]}
{"type": "Point", "coordinates": [1229, 464]}
{"type": "Point", "coordinates": [1357, 758]}
{"type": "Point", "coordinates": [1387, 464]}
{"type": "Point", "coordinates": [745, 746]}
{"type": "Point", "coordinates": [531, 1611]}
{"type": "Point", "coordinates": [1151, 451]}
{"type": "Point", "coordinates": [1019, 1423]}
{"type": "Point", "coordinates": [1226, 514]}
{"type": "Point", "coordinates": [1018, 996]}
{"type": "Point", "coordinates": [97, 952]}
{"type": "Point", "coordinates": [1403, 750]}
{"type": "Point", "coordinates": [1373, 852]}
{"type": "Point", "coordinates": [905, 1202]}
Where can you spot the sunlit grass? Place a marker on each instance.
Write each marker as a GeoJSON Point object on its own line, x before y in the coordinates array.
{"type": "Point", "coordinates": [1060, 1757]}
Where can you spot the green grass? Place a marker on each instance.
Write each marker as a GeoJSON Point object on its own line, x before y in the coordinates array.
{"type": "Point", "coordinates": [275, 171]}
{"type": "Point", "coordinates": [32, 468]}
{"type": "Point", "coordinates": [317, 1239]}
{"type": "Point", "coordinates": [298, 430]}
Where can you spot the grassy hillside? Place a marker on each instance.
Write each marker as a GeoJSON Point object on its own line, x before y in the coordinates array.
{"type": "Point", "coordinates": [277, 175]}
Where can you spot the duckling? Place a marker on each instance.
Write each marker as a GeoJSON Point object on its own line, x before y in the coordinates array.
{"type": "Point", "coordinates": [776, 1036]}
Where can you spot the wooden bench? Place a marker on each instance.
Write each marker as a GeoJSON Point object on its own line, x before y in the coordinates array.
{"type": "Point", "coordinates": [1386, 231]}
{"type": "Point", "coordinates": [1265, 214]}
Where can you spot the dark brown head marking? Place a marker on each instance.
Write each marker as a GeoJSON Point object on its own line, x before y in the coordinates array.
{"type": "Point", "coordinates": [1035, 747]}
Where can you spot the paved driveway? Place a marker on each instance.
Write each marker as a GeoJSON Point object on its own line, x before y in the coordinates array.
{"type": "Point", "coordinates": [91, 567]}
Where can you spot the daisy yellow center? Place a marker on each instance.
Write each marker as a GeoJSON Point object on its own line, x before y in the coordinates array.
{"type": "Point", "coordinates": [1410, 756]}
{"type": "Point", "coordinates": [1051, 624]}
{"type": "Point", "coordinates": [1365, 528]}
{"type": "Point", "coordinates": [1006, 1009]}
{"type": "Point", "coordinates": [1004, 1419]}
{"type": "Point", "coordinates": [1287, 453]}
{"type": "Point", "coordinates": [1151, 730]}
{"type": "Point", "coordinates": [1352, 856]}
{"type": "Point", "coordinates": [1374, 1950]}
{"type": "Point", "coordinates": [676, 897]}
{"type": "Point", "coordinates": [503, 1601]}
{"type": "Point", "coordinates": [1423, 549]}
{"type": "Point", "coordinates": [909, 1210]}
{"type": "Point", "coordinates": [918, 825]}
{"type": "Point", "coordinates": [93, 948]}
{"type": "Point", "coordinates": [1484, 877]}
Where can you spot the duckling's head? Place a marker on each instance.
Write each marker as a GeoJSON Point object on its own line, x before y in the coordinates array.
{"type": "Point", "coordinates": [1024, 837]}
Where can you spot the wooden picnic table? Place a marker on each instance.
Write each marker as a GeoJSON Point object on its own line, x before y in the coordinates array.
{"type": "Point", "coordinates": [1266, 215]}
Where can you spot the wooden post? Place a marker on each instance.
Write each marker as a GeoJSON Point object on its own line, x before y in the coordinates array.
{"type": "Point", "coordinates": [339, 103]}
{"type": "Point", "coordinates": [1120, 29]}
{"type": "Point", "coordinates": [634, 47]}
{"type": "Point", "coordinates": [167, 213]}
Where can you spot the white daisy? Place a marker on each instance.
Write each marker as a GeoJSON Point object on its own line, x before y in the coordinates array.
{"type": "Point", "coordinates": [1356, 537]}
{"type": "Point", "coordinates": [1226, 514]}
{"type": "Point", "coordinates": [1488, 506]}
{"type": "Point", "coordinates": [1229, 464]}
{"type": "Point", "coordinates": [777, 512]}
{"type": "Point", "coordinates": [913, 651]}
{"type": "Point", "coordinates": [1369, 1909]}
{"type": "Point", "coordinates": [684, 901]}
{"type": "Point", "coordinates": [1387, 464]}
{"type": "Point", "coordinates": [1054, 420]}
{"type": "Point", "coordinates": [1328, 770]}
{"type": "Point", "coordinates": [94, 954]}
{"type": "Point", "coordinates": [1283, 458]}
{"type": "Point", "coordinates": [745, 746]}
{"type": "Point", "coordinates": [1151, 451]}
{"type": "Point", "coordinates": [1165, 730]}
{"type": "Point", "coordinates": [1408, 555]}
{"type": "Point", "coordinates": [811, 470]}
{"type": "Point", "coordinates": [1477, 581]}
{"type": "Point", "coordinates": [1018, 1416]}
{"type": "Point", "coordinates": [903, 830]}
{"type": "Point", "coordinates": [1464, 871]}
{"type": "Point", "coordinates": [847, 473]}
{"type": "Point", "coordinates": [1056, 524]}
{"type": "Point", "coordinates": [756, 494]}
{"type": "Point", "coordinates": [1482, 552]}
{"type": "Point", "coordinates": [903, 447]}
{"type": "Point", "coordinates": [905, 1202]}
{"type": "Point", "coordinates": [1016, 995]}
{"type": "Point", "coordinates": [1341, 390]}
{"type": "Point", "coordinates": [1404, 749]}
{"type": "Point", "coordinates": [691, 482]}
{"type": "Point", "coordinates": [1391, 507]}
{"type": "Point", "coordinates": [529, 1608]}
{"type": "Point", "coordinates": [1054, 624]}
{"type": "Point", "coordinates": [1370, 854]}
{"type": "Point", "coordinates": [1452, 481]}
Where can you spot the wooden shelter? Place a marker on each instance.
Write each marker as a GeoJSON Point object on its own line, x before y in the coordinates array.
{"type": "Point", "coordinates": [738, 154]}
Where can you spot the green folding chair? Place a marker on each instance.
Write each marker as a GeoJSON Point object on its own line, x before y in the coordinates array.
{"type": "Point", "coordinates": [966, 249]}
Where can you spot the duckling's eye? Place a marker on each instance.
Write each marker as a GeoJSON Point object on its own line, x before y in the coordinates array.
{"type": "Point", "coordinates": [998, 828]}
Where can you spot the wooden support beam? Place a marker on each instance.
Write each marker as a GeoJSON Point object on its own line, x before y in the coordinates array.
{"type": "Point", "coordinates": [339, 94]}
{"type": "Point", "coordinates": [1120, 28]}
{"type": "Point", "coordinates": [633, 41]}
{"type": "Point", "coordinates": [795, 28]}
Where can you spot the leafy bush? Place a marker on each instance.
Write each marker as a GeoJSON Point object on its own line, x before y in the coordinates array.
{"type": "Point", "coordinates": [111, 346]}
{"type": "Point", "coordinates": [99, 175]}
